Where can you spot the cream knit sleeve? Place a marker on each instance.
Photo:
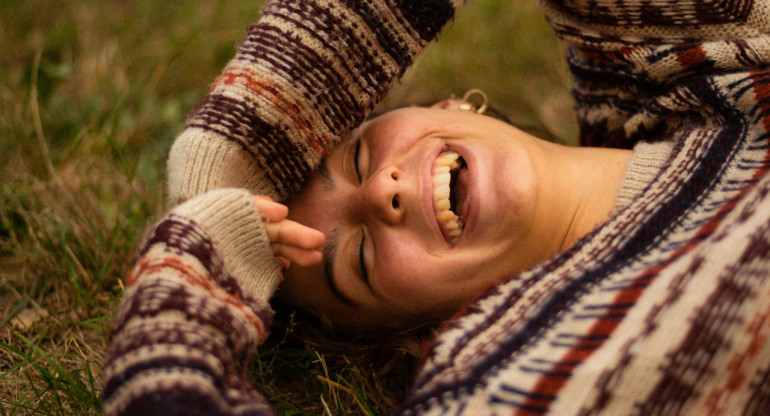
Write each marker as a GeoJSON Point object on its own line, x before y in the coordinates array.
{"type": "Point", "coordinates": [195, 310]}
{"type": "Point", "coordinates": [306, 75]}
{"type": "Point", "coordinates": [233, 224]}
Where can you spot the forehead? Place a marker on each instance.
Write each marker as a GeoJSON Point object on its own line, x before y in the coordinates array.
{"type": "Point", "coordinates": [318, 205]}
{"type": "Point", "coordinates": [389, 121]}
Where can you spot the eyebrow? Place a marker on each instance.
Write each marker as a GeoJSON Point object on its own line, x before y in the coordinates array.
{"type": "Point", "coordinates": [326, 176]}
{"type": "Point", "coordinates": [329, 254]}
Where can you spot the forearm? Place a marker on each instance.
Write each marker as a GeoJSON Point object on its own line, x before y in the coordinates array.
{"type": "Point", "coordinates": [194, 312]}
{"type": "Point", "coordinates": [625, 24]}
{"type": "Point", "coordinates": [307, 73]}
{"type": "Point", "coordinates": [627, 56]}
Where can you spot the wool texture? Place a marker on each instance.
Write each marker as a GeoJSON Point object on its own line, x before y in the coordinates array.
{"type": "Point", "coordinates": [306, 75]}
{"type": "Point", "coordinates": [664, 309]}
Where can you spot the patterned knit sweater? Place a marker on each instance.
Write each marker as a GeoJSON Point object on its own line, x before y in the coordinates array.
{"type": "Point", "coordinates": [664, 309]}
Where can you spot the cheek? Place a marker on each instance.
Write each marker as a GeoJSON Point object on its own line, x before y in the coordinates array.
{"type": "Point", "coordinates": [409, 272]}
{"type": "Point", "coordinates": [427, 287]}
{"type": "Point", "coordinates": [403, 268]}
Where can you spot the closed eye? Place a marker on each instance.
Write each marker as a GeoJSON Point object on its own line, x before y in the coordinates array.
{"type": "Point", "coordinates": [361, 263]}
{"type": "Point", "coordinates": [356, 152]}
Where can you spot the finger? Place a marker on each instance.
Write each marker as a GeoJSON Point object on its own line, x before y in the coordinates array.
{"type": "Point", "coordinates": [296, 255]}
{"type": "Point", "coordinates": [284, 262]}
{"type": "Point", "coordinates": [293, 233]}
{"type": "Point", "coordinates": [273, 211]}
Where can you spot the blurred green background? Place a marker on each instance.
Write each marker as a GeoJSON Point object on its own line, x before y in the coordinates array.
{"type": "Point", "coordinates": [92, 94]}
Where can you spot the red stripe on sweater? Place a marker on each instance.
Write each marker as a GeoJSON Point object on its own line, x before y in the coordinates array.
{"type": "Point", "coordinates": [741, 365]}
{"type": "Point", "coordinates": [551, 385]}
{"type": "Point", "coordinates": [196, 279]}
{"type": "Point", "coordinates": [690, 57]}
{"type": "Point", "coordinates": [274, 93]}
{"type": "Point", "coordinates": [759, 328]}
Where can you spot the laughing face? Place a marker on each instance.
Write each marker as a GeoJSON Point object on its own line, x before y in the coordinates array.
{"type": "Point", "coordinates": [422, 209]}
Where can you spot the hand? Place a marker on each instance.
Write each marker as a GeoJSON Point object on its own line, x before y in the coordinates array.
{"type": "Point", "coordinates": [290, 240]}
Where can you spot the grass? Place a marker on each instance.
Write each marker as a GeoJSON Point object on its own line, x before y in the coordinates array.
{"type": "Point", "coordinates": [91, 97]}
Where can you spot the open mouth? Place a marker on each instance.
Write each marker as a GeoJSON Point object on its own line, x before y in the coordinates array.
{"type": "Point", "coordinates": [450, 194]}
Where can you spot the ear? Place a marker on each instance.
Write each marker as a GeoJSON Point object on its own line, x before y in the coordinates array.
{"type": "Point", "coordinates": [448, 104]}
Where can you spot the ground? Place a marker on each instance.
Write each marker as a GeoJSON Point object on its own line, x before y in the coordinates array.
{"type": "Point", "coordinates": [92, 94]}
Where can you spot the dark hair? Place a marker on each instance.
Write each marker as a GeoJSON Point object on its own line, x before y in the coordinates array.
{"type": "Point", "coordinates": [383, 362]}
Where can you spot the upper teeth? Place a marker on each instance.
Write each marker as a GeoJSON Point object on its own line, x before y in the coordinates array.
{"type": "Point", "coordinates": [441, 191]}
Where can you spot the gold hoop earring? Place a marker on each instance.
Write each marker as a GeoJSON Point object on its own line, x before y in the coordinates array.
{"type": "Point", "coordinates": [468, 105]}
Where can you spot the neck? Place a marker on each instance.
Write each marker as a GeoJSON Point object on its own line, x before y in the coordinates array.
{"type": "Point", "coordinates": [598, 173]}
{"type": "Point", "coordinates": [583, 188]}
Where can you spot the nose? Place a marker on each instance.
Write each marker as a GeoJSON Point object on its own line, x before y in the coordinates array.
{"type": "Point", "coordinates": [380, 196]}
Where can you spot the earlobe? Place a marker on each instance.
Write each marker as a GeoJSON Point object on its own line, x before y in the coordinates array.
{"type": "Point", "coordinates": [448, 104]}
{"type": "Point", "coordinates": [466, 103]}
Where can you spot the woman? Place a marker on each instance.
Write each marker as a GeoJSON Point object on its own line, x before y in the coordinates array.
{"type": "Point", "coordinates": [661, 309]}
{"type": "Point", "coordinates": [411, 238]}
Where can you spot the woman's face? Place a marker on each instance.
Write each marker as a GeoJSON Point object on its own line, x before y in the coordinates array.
{"type": "Point", "coordinates": [405, 247]}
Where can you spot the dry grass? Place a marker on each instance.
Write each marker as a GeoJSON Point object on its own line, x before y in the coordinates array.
{"type": "Point", "coordinates": [91, 97]}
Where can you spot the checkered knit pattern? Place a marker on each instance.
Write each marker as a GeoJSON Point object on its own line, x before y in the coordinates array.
{"type": "Point", "coordinates": [664, 309]}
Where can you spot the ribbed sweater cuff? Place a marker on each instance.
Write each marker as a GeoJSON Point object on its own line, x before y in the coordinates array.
{"type": "Point", "coordinates": [200, 161]}
{"type": "Point", "coordinates": [644, 165]}
{"type": "Point", "coordinates": [232, 222]}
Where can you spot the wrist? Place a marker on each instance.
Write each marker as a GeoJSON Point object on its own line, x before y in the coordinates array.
{"type": "Point", "coordinates": [234, 225]}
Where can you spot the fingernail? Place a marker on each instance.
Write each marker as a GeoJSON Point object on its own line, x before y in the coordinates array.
{"type": "Point", "coordinates": [285, 263]}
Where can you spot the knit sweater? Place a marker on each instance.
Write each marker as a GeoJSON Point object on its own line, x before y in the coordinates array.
{"type": "Point", "coordinates": [664, 309]}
